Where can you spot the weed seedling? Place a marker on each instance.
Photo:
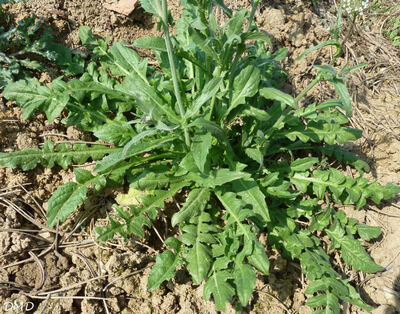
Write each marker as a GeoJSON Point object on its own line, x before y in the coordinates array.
{"type": "Point", "coordinates": [25, 49]}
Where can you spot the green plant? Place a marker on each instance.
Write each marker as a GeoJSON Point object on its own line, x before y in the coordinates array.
{"type": "Point", "coordinates": [11, 1]}
{"type": "Point", "coordinates": [211, 124]}
{"type": "Point", "coordinates": [392, 30]}
{"type": "Point", "coordinates": [25, 48]}
{"type": "Point", "coordinates": [391, 27]}
{"type": "Point", "coordinates": [350, 9]}
{"type": "Point", "coordinates": [380, 6]}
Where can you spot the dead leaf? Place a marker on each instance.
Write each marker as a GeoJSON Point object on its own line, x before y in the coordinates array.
{"type": "Point", "coordinates": [124, 7]}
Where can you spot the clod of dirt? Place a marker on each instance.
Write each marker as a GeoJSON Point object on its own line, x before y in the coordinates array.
{"type": "Point", "coordinates": [10, 218]}
{"type": "Point", "coordinates": [273, 22]}
{"type": "Point", "coordinates": [91, 306]}
{"type": "Point", "coordinates": [384, 309]}
{"type": "Point", "coordinates": [124, 7]}
{"type": "Point", "coordinates": [4, 293]}
{"type": "Point", "coordinates": [4, 242]}
{"type": "Point", "coordinates": [25, 141]}
{"type": "Point", "coordinates": [28, 275]}
{"type": "Point", "coordinates": [19, 242]}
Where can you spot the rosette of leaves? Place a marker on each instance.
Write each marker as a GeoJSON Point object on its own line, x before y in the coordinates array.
{"type": "Point", "coordinates": [211, 123]}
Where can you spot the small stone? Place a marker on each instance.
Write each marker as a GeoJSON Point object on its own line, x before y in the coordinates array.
{"type": "Point", "coordinates": [384, 309]}
{"type": "Point", "coordinates": [113, 19]}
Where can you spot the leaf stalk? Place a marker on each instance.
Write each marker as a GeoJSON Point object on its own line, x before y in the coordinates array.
{"type": "Point", "coordinates": [171, 58]}
{"type": "Point", "coordinates": [252, 13]}
{"type": "Point", "coordinates": [308, 88]}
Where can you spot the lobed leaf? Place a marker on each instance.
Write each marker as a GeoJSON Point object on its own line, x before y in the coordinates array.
{"type": "Point", "coordinates": [127, 62]}
{"type": "Point", "coordinates": [318, 131]}
{"type": "Point", "coordinates": [65, 201]}
{"type": "Point", "coordinates": [316, 264]}
{"type": "Point", "coordinates": [62, 154]}
{"type": "Point", "coordinates": [139, 216]}
{"type": "Point", "coordinates": [216, 177]}
{"type": "Point", "coordinates": [209, 90]}
{"type": "Point", "coordinates": [67, 197]}
{"type": "Point", "coordinates": [345, 156]}
{"type": "Point", "coordinates": [352, 251]}
{"type": "Point", "coordinates": [329, 301]}
{"type": "Point", "coordinates": [116, 133]}
{"type": "Point", "coordinates": [195, 202]}
{"type": "Point", "coordinates": [368, 232]}
{"type": "Point", "coordinates": [151, 42]}
{"type": "Point", "coordinates": [276, 94]}
{"type": "Point", "coordinates": [31, 95]}
{"type": "Point", "coordinates": [164, 269]}
{"type": "Point", "coordinates": [201, 145]}
{"type": "Point", "coordinates": [148, 99]}
{"type": "Point", "coordinates": [245, 280]}
{"type": "Point", "coordinates": [150, 7]}
{"type": "Point", "coordinates": [245, 85]}
{"type": "Point", "coordinates": [221, 290]}
{"type": "Point", "coordinates": [108, 233]}
{"type": "Point", "coordinates": [344, 189]}
{"type": "Point", "coordinates": [250, 193]}
{"type": "Point", "coordinates": [235, 211]}
{"type": "Point", "coordinates": [199, 234]}
{"type": "Point", "coordinates": [259, 259]}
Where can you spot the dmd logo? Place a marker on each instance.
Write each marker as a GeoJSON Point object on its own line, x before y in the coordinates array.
{"type": "Point", "coordinates": [18, 306]}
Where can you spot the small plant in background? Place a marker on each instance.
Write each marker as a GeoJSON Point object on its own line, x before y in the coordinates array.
{"type": "Point", "coordinates": [392, 30]}
{"type": "Point", "coordinates": [11, 1]}
{"type": "Point", "coordinates": [391, 26]}
{"type": "Point", "coordinates": [27, 47]}
{"type": "Point", "coordinates": [352, 9]}
{"type": "Point", "coordinates": [212, 125]}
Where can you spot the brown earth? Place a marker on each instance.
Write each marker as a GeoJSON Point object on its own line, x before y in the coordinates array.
{"type": "Point", "coordinates": [31, 265]}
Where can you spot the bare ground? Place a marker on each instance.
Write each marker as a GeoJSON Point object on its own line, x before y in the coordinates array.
{"type": "Point", "coordinates": [35, 261]}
